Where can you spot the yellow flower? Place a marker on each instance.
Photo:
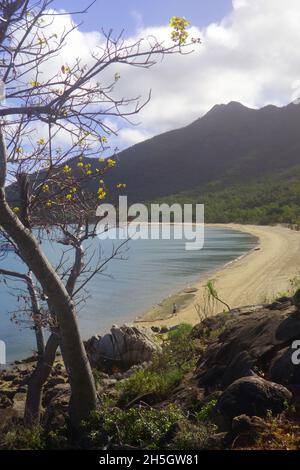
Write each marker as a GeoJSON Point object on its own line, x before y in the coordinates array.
{"type": "Point", "coordinates": [41, 142]}
{"type": "Point", "coordinates": [67, 169]}
{"type": "Point", "coordinates": [179, 22]}
{"type": "Point", "coordinates": [80, 165]}
{"type": "Point", "coordinates": [179, 25]}
{"type": "Point", "coordinates": [16, 210]}
{"type": "Point", "coordinates": [45, 188]}
{"type": "Point", "coordinates": [89, 172]}
{"type": "Point", "coordinates": [69, 197]}
{"type": "Point", "coordinates": [80, 158]}
{"type": "Point", "coordinates": [100, 191]}
{"type": "Point", "coordinates": [101, 160]}
{"type": "Point", "coordinates": [41, 41]}
{"type": "Point", "coordinates": [65, 69]}
{"type": "Point", "coordinates": [19, 150]}
{"type": "Point", "coordinates": [49, 203]}
{"type": "Point", "coordinates": [87, 166]}
{"type": "Point", "coordinates": [101, 181]}
{"type": "Point", "coordinates": [111, 162]}
{"type": "Point", "coordinates": [102, 195]}
{"type": "Point", "coordinates": [34, 83]}
{"type": "Point", "coordinates": [73, 190]}
{"type": "Point", "coordinates": [103, 139]}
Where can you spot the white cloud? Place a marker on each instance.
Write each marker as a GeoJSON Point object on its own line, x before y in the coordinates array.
{"type": "Point", "coordinates": [251, 56]}
{"type": "Point", "coordinates": [240, 3]}
{"type": "Point", "coordinates": [130, 136]}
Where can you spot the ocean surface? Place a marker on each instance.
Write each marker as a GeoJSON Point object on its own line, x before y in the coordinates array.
{"type": "Point", "coordinates": [146, 272]}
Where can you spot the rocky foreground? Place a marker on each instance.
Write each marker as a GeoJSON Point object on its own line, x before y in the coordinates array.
{"type": "Point", "coordinates": [227, 383]}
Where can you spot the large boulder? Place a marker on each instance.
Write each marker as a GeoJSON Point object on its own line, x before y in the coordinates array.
{"type": "Point", "coordinates": [215, 323]}
{"type": "Point", "coordinates": [250, 340]}
{"type": "Point", "coordinates": [252, 396]}
{"type": "Point", "coordinates": [122, 348]}
{"type": "Point", "coordinates": [19, 404]}
{"type": "Point", "coordinates": [282, 369]}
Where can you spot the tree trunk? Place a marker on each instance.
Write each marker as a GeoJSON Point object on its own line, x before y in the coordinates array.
{"type": "Point", "coordinates": [37, 316]}
{"type": "Point", "coordinates": [83, 398]}
{"type": "Point", "coordinates": [37, 381]}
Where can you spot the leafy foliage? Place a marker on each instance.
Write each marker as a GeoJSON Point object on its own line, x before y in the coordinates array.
{"type": "Point", "coordinates": [167, 369]}
{"type": "Point", "coordinates": [191, 437]}
{"type": "Point", "coordinates": [275, 199]}
{"type": "Point", "coordinates": [147, 380]}
{"type": "Point", "coordinates": [136, 426]}
{"type": "Point", "coordinates": [205, 413]}
{"type": "Point", "coordinates": [22, 438]}
{"type": "Point", "coordinates": [180, 332]}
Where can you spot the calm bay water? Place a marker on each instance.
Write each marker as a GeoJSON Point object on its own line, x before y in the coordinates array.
{"type": "Point", "coordinates": [152, 270]}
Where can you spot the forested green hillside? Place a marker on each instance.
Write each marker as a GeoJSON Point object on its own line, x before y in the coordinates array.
{"type": "Point", "coordinates": [275, 199]}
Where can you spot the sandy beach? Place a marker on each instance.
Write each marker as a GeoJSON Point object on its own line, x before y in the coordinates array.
{"type": "Point", "coordinates": [258, 277]}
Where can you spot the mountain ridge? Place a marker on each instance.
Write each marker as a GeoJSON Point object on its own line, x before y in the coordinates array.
{"type": "Point", "coordinates": [229, 149]}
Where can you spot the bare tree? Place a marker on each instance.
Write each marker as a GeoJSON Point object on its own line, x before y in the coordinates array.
{"type": "Point", "coordinates": [71, 102]}
{"type": "Point", "coordinates": [36, 314]}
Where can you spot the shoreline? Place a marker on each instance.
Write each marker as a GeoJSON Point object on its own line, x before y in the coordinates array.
{"type": "Point", "coordinates": [256, 277]}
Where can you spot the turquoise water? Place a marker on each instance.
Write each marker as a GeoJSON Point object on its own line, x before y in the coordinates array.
{"type": "Point", "coordinates": [149, 271]}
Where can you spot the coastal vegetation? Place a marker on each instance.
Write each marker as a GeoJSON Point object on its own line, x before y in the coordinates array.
{"type": "Point", "coordinates": [166, 370]}
{"type": "Point", "coordinates": [226, 404]}
{"type": "Point", "coordinates": [119, 421]}
{"type": "Point", "coordinates": [271, 200]}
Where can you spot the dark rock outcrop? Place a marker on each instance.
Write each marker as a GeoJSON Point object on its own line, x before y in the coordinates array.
{"type": "Point", "coordinates": [252, 396]}
{"type": "Point", "coordinates": [250, 340]}
{"type": "Point", "coordinates": [244, 424]}
{"type": "Point", "coordinates": [215, 323]}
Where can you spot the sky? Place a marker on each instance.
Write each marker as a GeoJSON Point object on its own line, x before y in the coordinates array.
{"type": "Point", "coordinates": [131, 14]}
{"type": "Point", "coordinates": [249, 53]}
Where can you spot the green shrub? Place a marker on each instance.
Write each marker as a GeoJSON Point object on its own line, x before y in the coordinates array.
{"type": "Point", "coordinates": [21, 438]}
{"type": "Point", "coordinates": [136, 427]}
{"type": "Point", "coordinates": [182, 331]}
{"type": "Point", "coordinates": [97, 377]}
{"type": "Point", "coordinates": [167, 369]}
{"type": "Point", "coordinates": [205, 413]}
{"type": "Point", "coordinates": [191, 437]}
{"type": "Point", "coordinates": [146, 380]}
{"type": "Point", "coordinates": [179, 351]}
{"type": "Point", "coordinates": [58, 439]}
